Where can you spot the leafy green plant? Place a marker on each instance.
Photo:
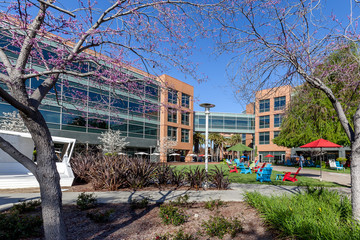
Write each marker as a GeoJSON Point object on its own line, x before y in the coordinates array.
{"type": "Point", "coordinates": [15, 226]}
{"type": "Point", "coordinates": [86, 201]}
{"type": "Point", "coordinates": [317, 213]}
{"type": "Point", "coordinates": [196, 177]}
{"type": "Point", "coordinates": [182, 201]}
{"type": "Point", "coordinates": [170, 214]}
{"type": "Point", "coordinates": [101, 216]}
{"type": "Point", "coordinates": [139, 204]}
{"type": "Point", "coordinates": [218, 226]}
{"type": "Point", "coordinates": [26, 206]}
{"type": "Point", "coordinates": [180, 235]}
{"type": "Point", "coordinates": [213, 204]}
{"type": "Point", "coordinates": [218, 178]}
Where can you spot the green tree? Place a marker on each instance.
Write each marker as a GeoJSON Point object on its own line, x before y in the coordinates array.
{"type": "Point", "coordinates": [234, 139]}
{"type": "Point", "coordinates": [198, 139]}
{"type": "Point", "coordinates": [218, 141]}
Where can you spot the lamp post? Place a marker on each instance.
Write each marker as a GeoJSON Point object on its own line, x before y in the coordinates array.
{"type": "Point", "coordinates": [207, 107]}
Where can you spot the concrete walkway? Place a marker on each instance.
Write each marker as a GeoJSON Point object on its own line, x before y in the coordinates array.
{"type": "Point", "coordinates": [235, 194]}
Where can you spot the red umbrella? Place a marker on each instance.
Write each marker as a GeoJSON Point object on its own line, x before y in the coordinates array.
{"type": "Point", "coordinates": [269, 156]}
{"type": "Point", "coordinates": [321, 143]}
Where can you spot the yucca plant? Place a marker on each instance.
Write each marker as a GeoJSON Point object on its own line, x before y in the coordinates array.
{"type": "Point", "coordinates": [196, 177]}
{"type": "Point", "coordinates": [163, 174]}
{"type": "Point", "coordinates": [177, 177]}
{"type": "Point", "coordinates": [140, 173]}
{"type": "Point", "coordinates": [218, 179]}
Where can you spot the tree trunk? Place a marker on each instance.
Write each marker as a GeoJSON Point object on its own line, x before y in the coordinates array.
{"type": "Point", "coordinates": [48, 177]}
{"type": "Point", "coordinates": [355, 176]}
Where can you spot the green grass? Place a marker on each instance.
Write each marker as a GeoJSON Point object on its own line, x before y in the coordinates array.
{"type": "Point", "coordinates": [251, 178]}
{"type": "Point", "coordinates": [313, 214]}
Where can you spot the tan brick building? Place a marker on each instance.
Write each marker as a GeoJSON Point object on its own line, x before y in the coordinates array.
{"type": "Point", "coordinates": [177, 116]}
{"type": "Point", "coordinates": [269, 107]}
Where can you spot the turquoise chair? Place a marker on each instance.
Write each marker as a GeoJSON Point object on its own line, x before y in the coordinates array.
{"type": "Point", "coordinates": [339, 166]}
{"type": "Point", "coordinates": [244, 169]}
{"type": "Point", "coordinates": [264, 175]}
{"type": "Point", "coordinates": [237, 161]}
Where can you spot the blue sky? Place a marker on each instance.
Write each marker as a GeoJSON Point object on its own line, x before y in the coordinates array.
{"type": "Point", "coordinates": [217, 89]}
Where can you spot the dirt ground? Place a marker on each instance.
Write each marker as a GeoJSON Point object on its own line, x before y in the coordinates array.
{"type": "Point", "coordinates": [146, 223]}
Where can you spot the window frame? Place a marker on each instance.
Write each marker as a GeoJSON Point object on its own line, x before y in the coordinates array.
{"type": "Point", "coordinates": [266, 138]}
{"type": "Point", "coordinates": [185, 135]}
{"type": "Point", "coordinates": [172, 115]}
{"type": "Point", "coordinates": [264, 121]}
{"type": "Point", "coordinates": [279, 103]}
{"type": "Point", "coordinates": [172, 132]}
{"type": "Point", "coordinates": [264, 105]}
{"type": "Point", "coordinates": [185, 100]}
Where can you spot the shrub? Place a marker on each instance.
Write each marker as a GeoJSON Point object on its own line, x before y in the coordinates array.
{"type": "Point", "coordinates": [26, 206]}
{"type": "Point", "coordinates": [140, 173]}
{"type": "Point", "coordinates": [139, 204]}
{"type": "Point", "coordinates": [218, 179]}
{"type": "Point", "coordinates": [170, 214]}
{"type": "Point", "coordinates": [218, 226]}
{"type": "Point", "coordinates": [177, 177]}
{"type": "Point", "coordinates": [163, 174]}
{"type": "Point", "coordinates": [86, 201]}
{"type": "Point", "coordinates": [196, 177]}
{"type": "Point", "coordinates": [180, 235]}
{"type": "Point", "coordinates": [182, 201]}
{"type": "Point", "coordinates": [313, 214]}
{"type": "Point", "coordinates": [15, 226]}
{"type": "Point", "coordinates": [81, 165]}
{"type": "Point", "coordinates": [212, 204]}
{"type": "Point", "coordinates": [101, 216]}
{"type": "Point", "coordinates": [109, 172]}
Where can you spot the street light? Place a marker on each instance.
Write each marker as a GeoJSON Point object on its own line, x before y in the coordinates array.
{"type": "Point", "coordinates": [207, 107]}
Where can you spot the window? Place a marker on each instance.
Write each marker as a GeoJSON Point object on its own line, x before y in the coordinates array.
{"type": "Point", "coordinates": [185, 118]}
{"type": "Point", "coordinates": [276, 133]}
{"type": "Point", "coordinates": [264, 121]}
{"type": "Point", "coordinates": [264, 138]}
{"type": "Point", "coordinates": [172, 96]}
{"type": "Point", "coordinates": [264, 105]}
{"type": "Point", "coordinates": [172, 132]}
{"type": "Point", "coordinates": [185, 135]}
{"type": "Point", "coordinates": [277, 120]}
{"type": "Point", "coordinates": [185, 100]}
{"type": "Point", "coordinates": [279, 103]}
{"type": "Point", "coordinates": [172, 115]}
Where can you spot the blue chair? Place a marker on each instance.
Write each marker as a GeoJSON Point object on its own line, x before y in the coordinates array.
{"type": "Point", "coordinates": [339, 166]}
{"type": "Point", "coordinates": [237, 161]}
{"type": "Point", "coordinates": [264, 175]}
{"type": "Point", "coordinates": [288, 163]}
{"type": "Point", "coordinates": [244, 169]}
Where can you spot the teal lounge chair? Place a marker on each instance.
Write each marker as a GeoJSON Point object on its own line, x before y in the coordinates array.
{"type": "Point", "coordinates": [244, 169]}
{"type": "Point", "coordinates": [264, 175]}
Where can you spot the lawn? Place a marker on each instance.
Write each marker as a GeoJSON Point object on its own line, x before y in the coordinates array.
{"type": "Point", "coordinates": [251, 178]}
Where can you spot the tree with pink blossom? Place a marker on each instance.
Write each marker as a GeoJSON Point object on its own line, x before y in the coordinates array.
{"type": "Point", "coordinates": [103, 41]}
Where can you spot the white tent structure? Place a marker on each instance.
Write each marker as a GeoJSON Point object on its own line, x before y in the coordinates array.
{"type": "Point", "coordinates": [15, 175]}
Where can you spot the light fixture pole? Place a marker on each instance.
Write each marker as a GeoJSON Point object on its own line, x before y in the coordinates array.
{"type": "Point", "coordinates": [207, 107]}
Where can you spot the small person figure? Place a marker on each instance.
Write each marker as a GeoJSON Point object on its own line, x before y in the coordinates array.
{"type": "Point", "coordinates": [301, 161]}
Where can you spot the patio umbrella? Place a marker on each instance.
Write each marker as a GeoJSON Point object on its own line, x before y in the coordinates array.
{"type": "Point", "coordinates": [269, 156]}
{"type": "Point", "coordinates": [141, 153]}
{"type": "Point", "coordinates": [321, 143]}
{"type": "Point", "coordinates": [239, 148]}
{"type": "Point", "coordinates": [155, 154]}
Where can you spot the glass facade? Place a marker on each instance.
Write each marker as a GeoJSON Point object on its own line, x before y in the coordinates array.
{"type": "Point", "coordinates": [264, 138]}
{"type": "Point", "coordinates": [276, 133]}
{"type": "Point", "coordinates": [84, 105]}
{"type": "Point", "coordinates": [264, 105]}
{"type": "Point", "coordinates": [264, 121]}
{"type": "Point", "coordinates": [279, 103]}
{"type": "Point", "coordinates": [225, 122]}
{"type": "Point", "coordinates": [277, 120]}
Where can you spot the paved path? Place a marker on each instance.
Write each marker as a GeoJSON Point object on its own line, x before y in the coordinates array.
{"type": "Point", "coordinates": [235, 194]}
